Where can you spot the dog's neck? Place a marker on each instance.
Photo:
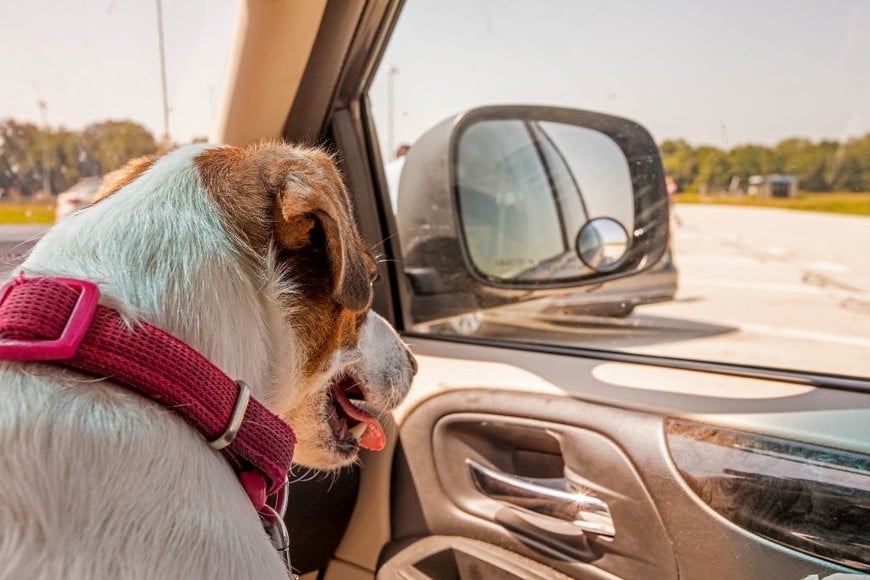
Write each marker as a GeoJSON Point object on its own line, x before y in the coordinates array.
{"type": "Point", "coordinates": [159, 251]}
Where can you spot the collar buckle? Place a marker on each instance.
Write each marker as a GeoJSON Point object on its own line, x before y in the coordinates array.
{"type": "Point", "coordinates": [64, 346]}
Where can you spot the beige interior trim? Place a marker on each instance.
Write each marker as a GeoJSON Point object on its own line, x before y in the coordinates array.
{"type": "Point", "coordinates": [662, 379]}
{"type": "Point", "coordinates": [439, 375]}
{"type": "Point", "coordinates": [369, 527]}
{"type": "Point", "coordinates": [273, 42]}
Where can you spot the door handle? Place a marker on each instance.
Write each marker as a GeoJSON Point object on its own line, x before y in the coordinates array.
{"type": "Point", "coordinates": [561, 510]}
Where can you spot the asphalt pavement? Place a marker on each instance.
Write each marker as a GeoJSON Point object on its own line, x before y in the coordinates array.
{"type": "Point", "coordinates": [794, 286]}
{"type": "Point", "coordinates": [764, 287]}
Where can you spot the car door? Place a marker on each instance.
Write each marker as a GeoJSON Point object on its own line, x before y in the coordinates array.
{"type": "Point", "coordinates": [546, 445]}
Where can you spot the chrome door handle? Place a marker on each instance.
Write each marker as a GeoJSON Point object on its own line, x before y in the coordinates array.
{"type": "Point", "coordinates": [563, 511]}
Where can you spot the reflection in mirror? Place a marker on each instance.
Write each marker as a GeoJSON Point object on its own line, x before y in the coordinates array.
{"type": "Point", "coordinates": [526, 189]}
{"type": "Point", "coordinates": [602, 243]}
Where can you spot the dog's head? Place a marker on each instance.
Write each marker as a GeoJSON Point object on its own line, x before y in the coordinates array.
{"type": "Point", "coordinates": [290, 217]}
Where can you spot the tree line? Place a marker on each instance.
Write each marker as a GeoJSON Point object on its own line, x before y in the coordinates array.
{"type": "Point", "coordinates": [29, 153]}
{"type": "Point", "coordinates": [823, 166]}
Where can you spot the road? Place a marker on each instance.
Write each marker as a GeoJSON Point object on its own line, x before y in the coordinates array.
{"type": "Point", "coordinates": [758, 286]}
{"type": "Point", "coordinates": [795, 286]}
{"type": "Point", "coordinates": [15, 241]}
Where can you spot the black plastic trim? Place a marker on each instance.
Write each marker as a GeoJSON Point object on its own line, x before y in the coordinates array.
{"type": "Point", "coordinates": [308, 117]}
{"type": "Point", "coordinates": [809, 498]}
{"type": "Point", "coordinates": [331, 110]}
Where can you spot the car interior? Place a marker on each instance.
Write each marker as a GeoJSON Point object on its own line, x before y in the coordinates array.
{"type": "Point", "coordinates": [516, 459]}
{"type": "Point", "coordinates": [531, 461]}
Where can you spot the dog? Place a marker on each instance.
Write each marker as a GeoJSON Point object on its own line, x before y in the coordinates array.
{"type": "Point", "coordinates": [252, 257]}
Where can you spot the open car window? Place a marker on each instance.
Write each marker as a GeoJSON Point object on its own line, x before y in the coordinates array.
{"type": "Point", "coordinates": [764, 137]}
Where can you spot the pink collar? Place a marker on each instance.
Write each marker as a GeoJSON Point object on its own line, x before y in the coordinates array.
{"type": "Point", "coordinates": [59, 320]}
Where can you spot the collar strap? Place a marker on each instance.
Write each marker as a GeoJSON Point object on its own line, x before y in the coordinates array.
{"type": "Point", "coordinates": [58, 320]}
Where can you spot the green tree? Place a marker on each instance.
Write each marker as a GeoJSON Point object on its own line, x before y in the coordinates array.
{"type": "Point", "coordinates": [714, 170]}
{"type": "Point", "coordinates": [680, 161]}
{"type": "Point", "coordinates": [64, 159]}
{"type": "Point", "coordinates": [849, 167]}
{"type": "Point", "coordinates": [809, 161]}
{"type": "Point", "coordinates": [99, 148]}
{"type": "Point", "coordinates": [747, 160]}
{"type": "Point", "coordinates": [107, 145]}
{"type": "Point", "coordinates": [819, 167]}
{"type": "Point", "coordinates": [20, 156]}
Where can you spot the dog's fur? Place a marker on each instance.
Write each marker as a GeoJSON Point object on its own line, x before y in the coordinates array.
{"type": "Point", "coordinates": [250, 256]}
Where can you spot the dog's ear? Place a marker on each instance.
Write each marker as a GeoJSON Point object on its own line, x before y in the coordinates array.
{"type": "Point", "coordinates": [312, 193]}
{"type": "Point", "coordinates": [126, 174]}
{"type": "Point", "coordinates": [296, 196]}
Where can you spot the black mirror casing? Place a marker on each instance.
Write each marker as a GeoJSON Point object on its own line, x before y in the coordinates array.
{"type": "Point", "coordinates": [429, 214]}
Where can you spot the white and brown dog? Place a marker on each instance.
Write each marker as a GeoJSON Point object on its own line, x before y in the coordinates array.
{"type": "Point", "coordinates": [250, 256]}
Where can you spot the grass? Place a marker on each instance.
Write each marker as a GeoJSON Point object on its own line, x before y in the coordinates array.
{"type": "Point", "coordinates": [26, 213]}
{"type": "Point", "coordinates": [843, 203]}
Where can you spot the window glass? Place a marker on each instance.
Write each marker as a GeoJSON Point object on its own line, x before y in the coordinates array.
{"type": "Point", "coordinates": [508, 206]}
{"type": "Point", "coordinates": [762, 117]}
{"type": "Point", "coordinates": [593, 163]}
{"type": "Point", "coordinates": [90, 85]}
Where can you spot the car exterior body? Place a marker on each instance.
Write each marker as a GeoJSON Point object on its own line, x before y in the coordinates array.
{"type": "Point", "coordinates": [80, 195]}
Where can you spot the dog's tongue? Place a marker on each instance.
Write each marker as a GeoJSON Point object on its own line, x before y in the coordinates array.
{"type": "Point", "coordinates": [373, 438]}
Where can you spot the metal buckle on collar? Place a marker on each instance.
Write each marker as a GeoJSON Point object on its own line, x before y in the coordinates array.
{"type": "Point", "coordinates": [65, 346]}
{"type": "Point", "coordinates": [273, 523]}
{"type": "Point", "coordinates": [236, 419]}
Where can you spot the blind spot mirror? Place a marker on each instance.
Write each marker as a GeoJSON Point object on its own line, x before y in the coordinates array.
{"type": "Point", "coordinates": [602, 244]}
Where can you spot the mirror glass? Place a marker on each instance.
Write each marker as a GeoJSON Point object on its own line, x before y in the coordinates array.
{"type": "Point", "coordinates": [525, 190]}
{"type": "Point", "coordinates": [602, 243]}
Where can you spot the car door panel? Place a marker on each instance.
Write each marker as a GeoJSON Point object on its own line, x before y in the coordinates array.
{"type": "Point", "coordinates": [553, 454]}
{"type": "Point", "coordinates": [550, 418]}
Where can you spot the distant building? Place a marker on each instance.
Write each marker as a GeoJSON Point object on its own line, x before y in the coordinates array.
{"type": "Point", "coordinates": [773, 185]}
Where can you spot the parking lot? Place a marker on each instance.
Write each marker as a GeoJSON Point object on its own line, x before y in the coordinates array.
{"type": "Point", "coordinates": [760, 286]}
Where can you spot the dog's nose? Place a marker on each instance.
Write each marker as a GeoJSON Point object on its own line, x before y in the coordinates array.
{"type": "Point", "coordinates": [413, 362]}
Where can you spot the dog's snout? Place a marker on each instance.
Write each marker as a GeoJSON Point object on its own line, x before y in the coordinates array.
{"type": "Point", "coordinates": [413, 360]}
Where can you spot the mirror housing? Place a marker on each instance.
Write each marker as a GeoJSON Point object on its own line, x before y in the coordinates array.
{"type": "Point", "coordinates": [473, 264]}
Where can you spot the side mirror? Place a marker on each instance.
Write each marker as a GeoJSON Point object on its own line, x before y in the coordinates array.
{"type": "Point", "coordinates": [510, 203]}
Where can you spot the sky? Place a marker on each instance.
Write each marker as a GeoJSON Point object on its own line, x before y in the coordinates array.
{"type": "Point", "coordinates": [718, 73]}
{"type": "Point", "coordinates": [92, 60]}
{"type": "Point", "coordinates": [723, 73]}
